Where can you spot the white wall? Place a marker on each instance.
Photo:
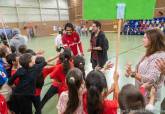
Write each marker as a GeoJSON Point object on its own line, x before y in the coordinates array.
{"type": "Point", "coordinates": [8, 14]}
{"type": "Point", "coordinates": [29, 14]}
{"type": "Point", "coordinates": [33, 3]}
{"type": "Point", "coordinates": [63, 4]}
{"type": "Point", "coordinates": [49, 3]}
{"type": "Point", "coordinates": [49, 15]}
{"type": "Point", "coordinates": [64, 14]}
{"type": "Point", "coordinates": [29, 10]}
{"type": "Point", "coordinates": [7, 2]}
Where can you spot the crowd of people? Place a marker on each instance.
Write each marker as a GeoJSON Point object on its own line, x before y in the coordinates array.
{"type": "Point", "coordinates": [23, 72]}
{"type": "Point", "coordinates": [83, 30]}
{"type": "Point", "coordinates": [138, 27]}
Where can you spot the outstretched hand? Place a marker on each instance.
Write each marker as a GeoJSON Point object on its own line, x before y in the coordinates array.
{"type": "Point", "coordinates": [108, 65]}
{"type": "Point", "coordinates": [128, 70]}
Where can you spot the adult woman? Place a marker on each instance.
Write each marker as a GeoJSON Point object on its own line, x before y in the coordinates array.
{"type": "Point", "coordinates": [146, 71]}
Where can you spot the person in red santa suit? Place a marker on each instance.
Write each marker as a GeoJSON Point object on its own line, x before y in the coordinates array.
{"type": "Point", "coordinates": [71, 40]}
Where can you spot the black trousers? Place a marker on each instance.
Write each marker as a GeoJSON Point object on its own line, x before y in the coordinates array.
{"type": "Point", "coordinates": [36, 102]}
{"type": "Point", "coordinates": [50, 93]}
{"type": "Point", "coordinates": [22, 104]}
{"type": "Point", "coordinates": [94, 63]}
{"type": "Point", "coordinates": [102, 59]}
{"type": "Point", "coordinates": [101, 63]}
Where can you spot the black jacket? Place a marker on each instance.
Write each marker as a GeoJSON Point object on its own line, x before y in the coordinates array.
{"type": "Point", "coordinates": [101, 42]}
{"type": "Point", "coordinates": [27, 79]}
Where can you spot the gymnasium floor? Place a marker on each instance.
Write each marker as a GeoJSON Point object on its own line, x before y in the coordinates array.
{"type": "Point", "coordinates": [131, 50]}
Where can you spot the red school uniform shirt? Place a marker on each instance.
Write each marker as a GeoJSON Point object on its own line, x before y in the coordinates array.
{"type": "Point", "coordinates": [3, 105]}
{"type": "Point", "coordinates": [110, 106]}
{"type": "Point", "coordinates": [59, 78]}
{"type": "Point", "coordinates": [73, 42]}
{"type": "Point", "coordinates": [45, 72]}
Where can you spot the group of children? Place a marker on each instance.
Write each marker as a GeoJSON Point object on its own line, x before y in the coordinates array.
{"type": "Point", "coordinates": [78, 93]}
{"type": "Point", "coordinates": [23, 72]}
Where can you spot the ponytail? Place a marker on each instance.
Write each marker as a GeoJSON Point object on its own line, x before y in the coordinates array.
{"type": "Point", "coordinates": [66, 65]}
{"type": "Point", "coordinates": [95, 84]}
{"type": "Point", "coordinates": [66, 57]}
{"type": "Point", "coordinates": [79, 62]}
{"type": "Point", "coordinates": [94, 101]}
{"type": "Point", "coordinates": [74, 81]}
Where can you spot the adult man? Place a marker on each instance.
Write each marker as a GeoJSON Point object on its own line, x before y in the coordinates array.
{"type": "Point", "coordinates": [71, 39]}
{"type": "Point", "coordinates": [98, 46]}
{"type": "Point", "coordinates": [18, 39]}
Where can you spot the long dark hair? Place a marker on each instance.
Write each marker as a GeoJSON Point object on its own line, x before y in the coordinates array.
{"type": "Point", "coordinates": [95, 84]}
{"type": "Point", "coordinates": [74, 80]}
{"type": "Point", "coordinates": [157, 41]}
{"type": "Point", "coordinates": [79, 62]}
{"type": "Point", "coordinates": [66, 57]}
{"type": "Point", "coordinates": [130, 99]}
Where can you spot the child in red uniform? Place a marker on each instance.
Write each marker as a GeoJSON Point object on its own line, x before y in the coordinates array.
{"type": "Point", "coordinates": [72, 40]}
{"type": "Point", "coordinates": [40, 82]}
{"type": "Point", "coordinates": [3, 80]}
{"type": "Point", "coordinates": [93, 100]}
{"type": "Point", "coordinates": [58, 74]}
{"type": "Point", "coordinates": [13, 61]}
{"type": "Point", "coordinates": [3, 104]}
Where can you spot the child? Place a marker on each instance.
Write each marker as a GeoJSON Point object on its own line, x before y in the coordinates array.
{"type": "Point", "coordinates": [26, 87]}
{"type": "Point", "coordinates": [59, 76]}
{"type": "Point", "coordinates": [22, 49]}
{"type": "Point", "coordinates": [3, 53]}
{"type": "Point", "coordinates": [40, 82]}
{"type": "Point", "coordinates": [12, 60]}
{"type": "Point", "coordinates": [13, 49]}
{"type": "Point", "coordinates": [66, 104]}
{"type": "Point", "coordinates": [93, 99]}
{"type": "Point", "coordinates": [130, 98]}
{"type": "Point", "coordinates": [5, 89]}
{"type": "Point", "coordinates": [3, 80]}
{"type": "Point", "coordinates": [3, 104]}
{"type": "Point", "coordinates": [79, 62]}
{"type": "Point", "coordinates": [58, 41]}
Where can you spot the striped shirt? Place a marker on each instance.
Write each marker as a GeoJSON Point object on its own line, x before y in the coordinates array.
{"type": "Point", "coordinates": [149, 73]}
